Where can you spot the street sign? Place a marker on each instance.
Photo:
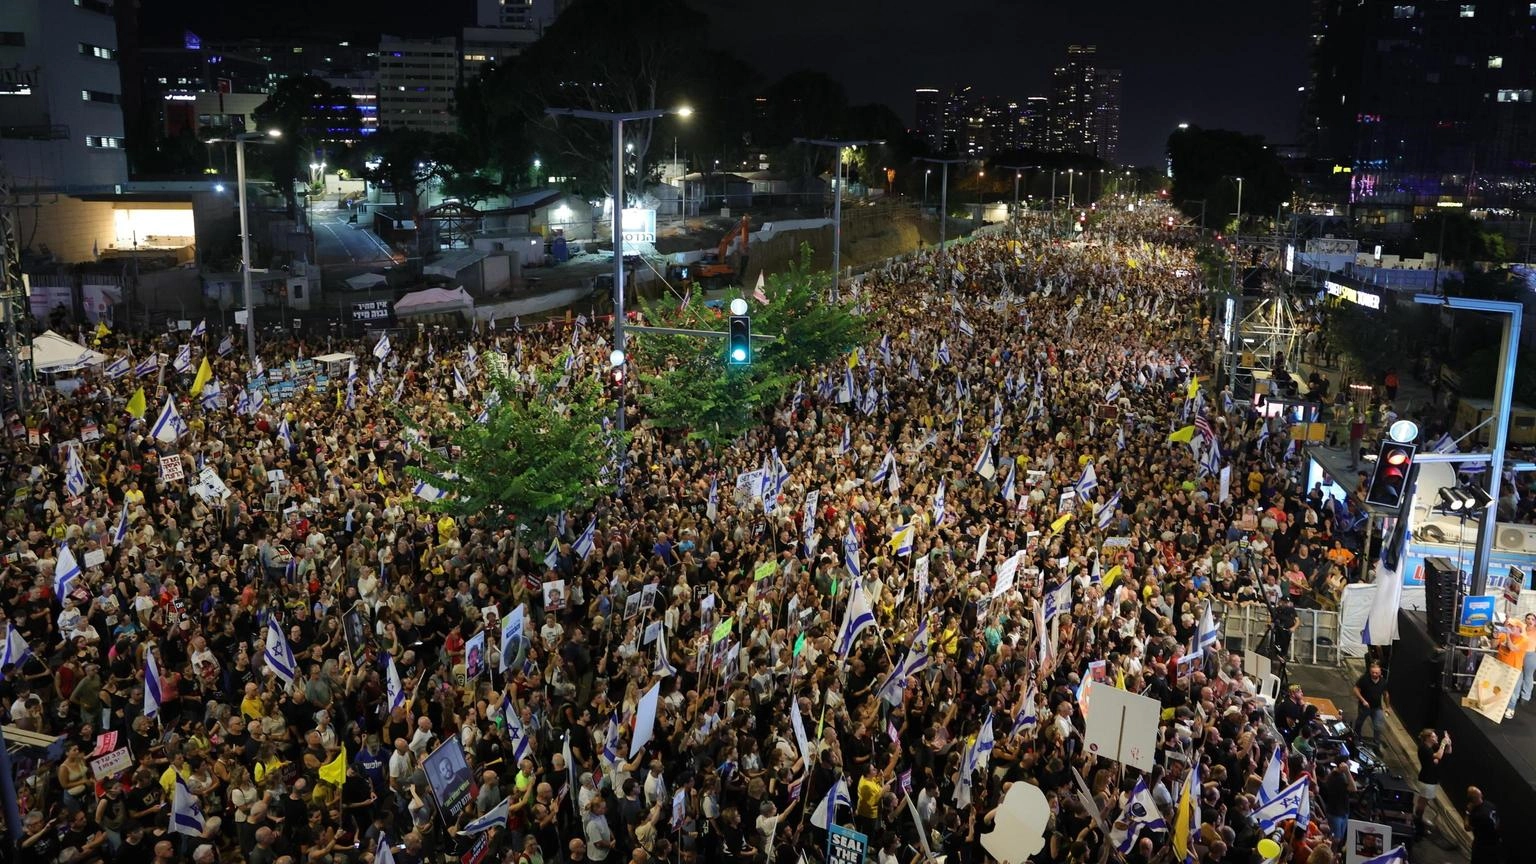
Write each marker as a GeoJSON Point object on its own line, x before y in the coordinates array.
{"type": "Point", "coordinates": [638, 227]}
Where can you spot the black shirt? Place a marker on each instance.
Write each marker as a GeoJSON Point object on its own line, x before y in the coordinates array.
{"type": "Point", "coordinates": [1429, 769]}
{"type": "Point", "coordinates": [1483, 819]}
{"type": "Point", "coordinates": [1373, 692]}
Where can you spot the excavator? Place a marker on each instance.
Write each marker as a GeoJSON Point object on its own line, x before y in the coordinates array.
{"type": "Point", "coordinates": [723, 267]}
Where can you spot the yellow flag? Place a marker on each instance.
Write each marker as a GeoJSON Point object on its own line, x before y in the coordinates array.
{"type": "Point", "coordinates": [1182, 823]}
{"type": "Point", "coordinates": [1119, 679]}
{"type": "Point", "coordinates": [102, 329]}
{"type": "Point", "coordinates": [1183, 436]}
{"type": "Point", "coordinates": [1194, 388]}
{"type": "Point", "coordinates": [1111, 575]}
{"type": "Point", "coordinates": [136, 404]}
{"type": "Point", "coordinates": [853, 359]}
{"type": "Point", "coordinates": [1131, 263]}
{"type": "Point", "coordinates": [334, 772]}
{"type": "Point", "coordinates": [338, 400]}
{"type": "Point", "coordinates": [204, 374]}
{"type": "Point", "coordinates": [1060, 523]}
{"type": "Point", "coordinates": [382, 481]}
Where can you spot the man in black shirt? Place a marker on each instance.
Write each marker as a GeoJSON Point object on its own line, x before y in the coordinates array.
{"type": "Point", "coordinates": [1482, 821]}
{"type": "Point", "coordinates": [1432, 748]}
{"type": "Point", "coordinates": [1371, 700]}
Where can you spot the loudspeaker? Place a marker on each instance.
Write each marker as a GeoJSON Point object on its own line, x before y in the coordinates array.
{"type": "Point", "coordinates": [1441, 583]}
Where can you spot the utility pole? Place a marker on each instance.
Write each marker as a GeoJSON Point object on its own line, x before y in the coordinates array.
{"type": "Point", "coordinates": [837, 199]}
{"type": "Point", "coordinates": [943, 208]}
{"type": "Point", "coordinates": [1017, 172]}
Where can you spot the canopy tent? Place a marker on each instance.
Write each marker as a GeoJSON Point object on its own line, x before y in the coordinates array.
{"type": "Point", "coordinates": [54, 353]}
{"type": "Point", "coordinates": [364, 281]}
{"type": "Point", "coordinates": [434, 301]}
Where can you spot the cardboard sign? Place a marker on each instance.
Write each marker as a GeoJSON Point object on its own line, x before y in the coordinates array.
{"type": "Point", "coordinates": [554, 595]}
{"type": "Point", "coordinates": [112, 764]}
{"type": "Point", "coordinates": [94, 558]}
{"type": "Point", "coordinates": [1491, 688]}
{"type": "Point", "coordinates": [170, 468]}
{"type": "Point", "coordinates": [845, 845]}
{"type": "Point", "coordinates": [1123, 726]}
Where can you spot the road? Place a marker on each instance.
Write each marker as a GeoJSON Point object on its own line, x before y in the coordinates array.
{"type": "Point", "coordinates": [347, 250]}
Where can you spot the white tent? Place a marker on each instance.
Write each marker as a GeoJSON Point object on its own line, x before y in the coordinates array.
{"type": "Point", "coordinates": [364, 281]}
{"type": "Point", "coordinates": [54, 353]}
{"type": "Point", "coordinates": [433, 301]}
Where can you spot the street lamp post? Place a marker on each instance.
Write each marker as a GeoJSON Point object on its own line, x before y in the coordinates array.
{"type": "Point", "coordinates": [1440, 251]}
{"type": "Point", "coordinates": [837, 199]}
{"type": "Point", "coordinates": [1071, 198]}
{"type": "Point", "coordinates": [1018, 172]}
{"type": "Point", "coordinates": [926, 172]}
{"type": "Point", "coordinates": [245, 231]}
{"type": "Point", "coordinates": [617, 120]}
{"type": "Point", "coordinates": [980, 205]}
{"type": "Point", "coordinates": [943, 207]}
{"type": "Point", "coordinates": [1239, 231]}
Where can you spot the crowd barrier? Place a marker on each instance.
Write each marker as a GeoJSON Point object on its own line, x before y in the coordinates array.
{"type": "Point", "coordinates": [1315, 641]}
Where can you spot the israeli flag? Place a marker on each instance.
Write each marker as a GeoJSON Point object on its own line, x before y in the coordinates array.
{"type": "Point", "coordinates": [186, 813]}
{"type": "Point", "coordinates": [243, 404]}
{"type": "Point", "coordinates": [1104, 513]}
{"type": "Point", "coordinates": [278, 655]}
{"type": "Point", "coordinates": [65, 572]}
{"type": "Point", "coordinates": [938, 505]}
{"type": "Point", "coordinates": [211, 396]}
{"type": "Point", "coordinates": [120, 533]}
{"type": "Point", "coordinates": [663, 667]}
{"type": "Point", "coordinates": [847, 443]}
{"type": "Point", "coordinates": [285, 435]}
{"type": "Point", "coordinates": [15, 650]}
{"type": "Point", "coordinates": [1291, 803]}
{"type": "Point", "coordinates": [169, 427]}
{"type": "Point", "coordinates": [1088, 482]}
{"type": "Point", "coordinates": [226, 346]}
{"type": "Point", "coordinates": [118, 368]}
{"type": "Point", "coordinates": [1273, 773]}
{"type": "Point", "coordinates": [151, 685]}
{"type": "Point", "coordinates": [74, 473]}
{"type": "Point", "coordinates": [915, 661]}
{"type": "Point", "coordinates": [393, 688]}
{"type": "Point", "coordinates": [427, 492]}
{"type": "Point", "coordinates": [983, 464]}
{"type": "Point", "coordinates": [381, 348]}
{"type": "Point", "coordinates": [967, 329]}
{"type": "Point", "coordinates": [856, 618]}
{"type": "Point", "coordinates": [1396, 856]}
{"type": "Point", "coordinates": [583, 545]}
{"type": "Point", "coordinates": [712, 504]}
{"type": "Point", "coordinates": [826, 811]}
{"type": "Point", "coordinates": [913, 371]}
{"type": "Point", "coordinates": [496, 817]}
{"type": "Point", "coordinates": [885, 349]}
{"type": "Point", "coordinates": [887, 465]}
{"type": "Point", "coordinates": [944, 352]}
{"type": "Point", "coordinates": [1058, 600]}
{"type": "Point", "coordinates": [1010, 493]}
{"type": "Point", "coordinates": [981, 751]}
{"type": "Point", "coordinates": [1141, 814]}
{"type": "Point", "coordinates": [183, 362]}
{"type": "Point", "coordinates": [383, 854]}
{"type": "Point", "coordinates": [1026, 717]}
{"type": "Point", "coordinates": [147, 365]}
{"type": "Point", "coordinates": [851, 552]}
{"type": "Point", "coordinates": [1113, 392]}
{"type": "Point", "coordinates": [1207, 635]}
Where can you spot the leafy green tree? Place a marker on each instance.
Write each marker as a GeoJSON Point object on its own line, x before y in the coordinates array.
{"type": "Point", "coordinates": [532, 458]}
{"type": "Point", "coordinates": [1206, 164]}
{"type": "Point", "coordinates": [693, 389]}
{"type": "Point", "coordinates": [311, 114]}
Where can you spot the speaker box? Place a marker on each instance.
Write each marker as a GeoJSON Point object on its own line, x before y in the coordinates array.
{"type": "Point", "coordinates": [1441, 582]}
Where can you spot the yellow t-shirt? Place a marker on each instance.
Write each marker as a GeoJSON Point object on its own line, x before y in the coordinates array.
{"type": "Point", "coordinates": [168, 778]}
{"type": "Point", "coordinates": [252, 708]}
{"type": "Point", "coordinates": [870, 790]}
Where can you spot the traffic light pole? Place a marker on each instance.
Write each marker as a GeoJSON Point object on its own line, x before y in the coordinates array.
{"type": "Point", "coordinates": [705, 334]}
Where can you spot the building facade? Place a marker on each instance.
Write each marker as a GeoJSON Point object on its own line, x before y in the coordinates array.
{"type": "Point", "coordinates": [1106, 114]}
{"type": "Point", "coordinates": [928, 115]}
{"type": "Point", "coordinates": [417, 82]}
{"type": "Point", "coordinates": [61, 116]}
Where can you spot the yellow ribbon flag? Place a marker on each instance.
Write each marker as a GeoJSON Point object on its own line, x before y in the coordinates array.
{"type": "Point", "coordinates": [102, 329]}
{"type": "Point", "coordinates": [334, 772]}
{"type": "Point", "coordinates": [1119, 679]}
{"type": "Point", "coordinates": [1131, 263]}
{"type": "Point", "coordinates": [1194, 389]}
{"type": "Point", "coordinates": [204, 375]}
{"type": "Point", "coordinates": [137, 405]}
{"type": "Point", "coordinates": [382, 480]}
{"type": "Point", "coordinates": [338, 400]}
{"type": "Point", "coordinates": [853, 359]}
{"type": "Point", "coordinates": [1183, 436]}
{"type": "Point", "coordinates": [1183, 822]}
{"type": "Point", "coordinates": [1060, 523]}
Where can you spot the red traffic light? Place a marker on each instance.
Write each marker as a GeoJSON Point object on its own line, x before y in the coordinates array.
{"type": "Point", "coordinates": [1390, 480]}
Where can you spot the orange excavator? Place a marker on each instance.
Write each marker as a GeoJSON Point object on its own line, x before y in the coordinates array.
{"type": "Point", "coordinates": [724, 266]}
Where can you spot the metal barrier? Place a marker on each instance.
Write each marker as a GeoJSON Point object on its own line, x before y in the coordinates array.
{"type": "Point", "coordinates": [1314, 643]}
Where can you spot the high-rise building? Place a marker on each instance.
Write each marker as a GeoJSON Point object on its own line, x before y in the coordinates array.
{"type": "Point", "coordinates": [929, 118]}
{"type": "Point", "coordinates": [417, 83]}
{"type": "Point", "coordinates": [1073, 123]}
{"type": "Point", "coordinates": [504, 29]}
{"type": "Point", "coordinates": [957, 107]}
{"type": "Point", "coordinates": [532, 15]}
{"type": "Point", "coordinates": [1033, 124]}
{"type": "Point", "coordinates": [61, 116]}
{"type": "Point", "coordinates": [1106, 114]}
{"type": "Point", "coordinates": [1417, 101]}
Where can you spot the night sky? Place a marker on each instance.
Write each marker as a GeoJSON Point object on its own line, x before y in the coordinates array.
{"type": "Point", "coordinates": [1214, 64]}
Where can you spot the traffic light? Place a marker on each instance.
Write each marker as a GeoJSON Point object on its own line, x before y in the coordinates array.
{"type": "Point", "coordinates": [1389, 482]}
{"type": "Point", "coordinates": [738, 348]}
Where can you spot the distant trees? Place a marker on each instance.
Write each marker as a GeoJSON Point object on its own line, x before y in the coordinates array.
{"type": "Point", "coordinates": [1206, 164]}
{"type": "Point", "coordinates": [310, 112]}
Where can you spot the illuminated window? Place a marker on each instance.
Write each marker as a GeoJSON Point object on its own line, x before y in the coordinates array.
{"type": "Point", "coordinates": [1495, 61]}
{"type": "Point", "coordinates": [103, 142]}
{"type": "Point", "coordinates": [1403, 11]}
{"type": "Point", "coordinates": [97, 51]}
{"type": "Point", "coordinates": [1468, 10]}
{"type": "Point", "coordinates": [98, 96]}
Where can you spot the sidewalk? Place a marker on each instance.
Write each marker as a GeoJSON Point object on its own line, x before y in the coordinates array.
{"type": "Point", "coordinates": [1448, 842]}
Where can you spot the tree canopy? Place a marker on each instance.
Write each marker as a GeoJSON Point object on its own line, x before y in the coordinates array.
{"type": "Point", "coordinates": [1206, 164]}
{"type": "Point", "coordinates": [310, 112]}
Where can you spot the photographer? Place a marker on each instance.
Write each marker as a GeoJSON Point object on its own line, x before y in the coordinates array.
{"type": "Point", "coordinates": [1433, 747]}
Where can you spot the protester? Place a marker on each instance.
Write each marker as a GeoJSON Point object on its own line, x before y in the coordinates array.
{"type": "Point", "coordinates": [1027, 430]}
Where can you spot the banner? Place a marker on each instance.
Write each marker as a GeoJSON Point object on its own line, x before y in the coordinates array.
{"type": "Point", "coordinates": [448, 773]}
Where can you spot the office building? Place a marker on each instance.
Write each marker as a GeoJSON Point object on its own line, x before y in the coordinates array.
{"type": "Point", "coordinates": [1032, 124]}
{"type": "Point", "coordinates": [417, 81]}
{"type": "Point", "coordinates": [534, 15]}
{"type": "Point", "coordinates": [929, 118]}
{"type": "Point", "coordinates": [1106, 114]}
{"type": "Point", "coordinates": [1073, 125]}
{"type": "Point", "coordinates": [1411, 103]}
{"type": "Point", "coordinates": [61, 116]}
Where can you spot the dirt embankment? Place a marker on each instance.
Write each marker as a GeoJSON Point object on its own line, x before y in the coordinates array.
{"type": "Point", "coordinates": [870, 235]}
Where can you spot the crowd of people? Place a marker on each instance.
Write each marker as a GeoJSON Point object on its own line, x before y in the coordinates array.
{"type": "Point", "coordinates": [1031, 434]}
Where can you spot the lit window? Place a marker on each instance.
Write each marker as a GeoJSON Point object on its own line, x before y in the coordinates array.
{"type": "Point", "coordinates": [1403, 11]}
{"type": "Point", "coordinates": [1495, 62]}
{"type": "Point", "coordinates": [97, 51]}
{"type": "Point", "coordinates": [103, 142]}
{"type": "Point", "coordinates": [1468, 10]}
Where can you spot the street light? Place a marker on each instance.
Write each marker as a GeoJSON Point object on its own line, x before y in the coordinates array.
{"type": "Point", "coordinates": [1018, 171]}
{"type": "Point", "coordinates": [943, 206]}
{"type": "Point", "coordinates": [1440, 252]}
{"type": "Point", "coordinates": [617, 120]}
{"type": "Point", "coordinates": [1071, 198]}
{"type": "Point", "coordinates": [926, 172]}
{"type": "Point", "coordinates": [266, 137]}
{"type": "Point", "coordinates": [1239, 231]}
{"type": "Point", "coordinates": [837, 199]}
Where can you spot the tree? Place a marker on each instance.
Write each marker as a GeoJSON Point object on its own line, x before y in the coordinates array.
{"type": "Point", "coordinates": [534, 456]}
{"type": "Point", "coordinates": [1460, 237]}
{"type": "Point", "coordinates": [311, 113]}
{"type": "Point", "coordinates": [692, 389]}
{"type": "Point", "coordinates": [1206, 164]}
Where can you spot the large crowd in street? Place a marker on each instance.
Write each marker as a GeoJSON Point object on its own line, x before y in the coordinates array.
{"type": "Point", "coordinates": [1023, 489]}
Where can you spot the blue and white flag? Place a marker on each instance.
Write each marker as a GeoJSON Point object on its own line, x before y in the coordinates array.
{"type": "Point", "coordinates": [382, 853]}
{"type": "Point", "coordinates": [983, 464]}
{"type": "Point", "coordinates": [887, 465]}
{"type": "Point", "coordinates": [663, 666]}
{"type": "Point", "coordinates": [212, 396]}
{"type": "Point", "coordinates": [847, 443]}
{"type": "Point", "coordinates": [1381, 624]}
{"type": "Point", "coordinates": [1010, 490]}
{"type": "Point", "coordinates": [915, 661]}
{"type": "Point", "coordinates": [65, 572]}
{"type": "Point", "coordinates": [460, 389]}
{"type": "Point", "coordinates": [15, 650]}
{"type": "Point", "coordinates": [1088, 482]}
{"type": "Point", "coordinates": [1027, 717]}
{"type": "Point", "coordinates": [1113, 392]}
{"type": "Point", "coordinates": [966, 328]}
{"type": "Point", "coordinates": [120, 532]}
{"type": "Point", "coordinates": [851, 552]}
{"type": "Point", "coordinates": [982, 750]}
{"type": "Point", "coordinates": [1104, 513]}
{"type": "Point", "coordinates": [856, 618]}
{"type": "Point", "coordinates": [118, 368]}
{"type": "Point", "coordinates": [1141, 814]}
{"type": "Point", "coordinates": [1058, 600]}
{"type": "Point", "coordinates": [201, 329]}
{"type": "Point", "coordinates": [147, 365]}
{"type": "Point", "coordinates": [74, 473]}
{"type": "Point", "coordinates": [186, 813]}
{"type": "Point", "coordinates": [226, 346]}
{"type": "Point", "coordinates": [1208, 634]}
{"type": "Point", "coordinates": [394, 690]}
{"type": "Point", "coordinates": [584, 543]}
{"type": "Point", "coordinates": [151, 685]}
{"type": "Point", "coordinates": [1396, 856]}
{"type": "Point", "coordinates": [885, 349]}
{"type": "Point", "coordinates": [712, 504]}
{"type": "Point", "coordinates": [1273, 775]}
{"type": "Point", "coordinates": [913, 371]}
{"type": "Point", "coordinates": [169, 427]}
{"type": "Point", "coordinates": [427, 492]}
{"type": "Point", "coordinates": [496, 817]}
{"type": "Point", "coordinates": [381, 348]}
{"type": "Point", "coordinates": [285, 435]}
{"type": "Point", "coordinates": [944, 352]}
{"type": "Point", "coordinates": [826, 812]}
{"type": "Point", "coordinates": [1292, 803]}
{"type": "Point", "coordinates": [517, 734]}
{"type": "Point", "coordinates": [278, 656]}
{"type": "Point", "coordinates": [183, 362]}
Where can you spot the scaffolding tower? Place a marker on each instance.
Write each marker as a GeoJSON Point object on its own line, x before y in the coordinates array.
{"type": "Point", "coordinates": [13, 304]}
